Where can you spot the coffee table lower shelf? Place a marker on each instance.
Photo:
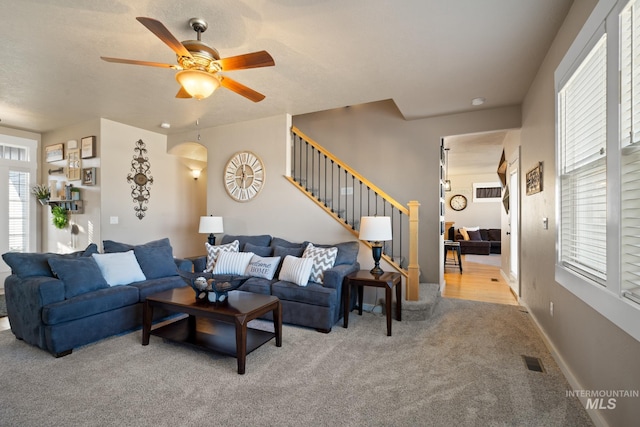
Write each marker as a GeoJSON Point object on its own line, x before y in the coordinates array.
{"type": "Point", "coordinates": [216, 336]}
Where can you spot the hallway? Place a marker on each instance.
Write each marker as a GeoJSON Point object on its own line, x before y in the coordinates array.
{"type": "Point", "coordinates": [477, 282]}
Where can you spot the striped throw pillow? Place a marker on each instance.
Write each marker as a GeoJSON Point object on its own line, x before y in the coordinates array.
{"type": "Point", "coordinates": [214, 251]}
{"type": "Point", "coordinates": [296, 270]}
{"type": "Point", "coordinates": [232, 263]}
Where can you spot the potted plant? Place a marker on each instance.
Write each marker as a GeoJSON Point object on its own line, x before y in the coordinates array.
{"type": "Point", "coordinates": [75, 193]}
{"type": "Point", "coordinates": [60, 217]}
{"type": "Point", "coordinates": [42, 193]}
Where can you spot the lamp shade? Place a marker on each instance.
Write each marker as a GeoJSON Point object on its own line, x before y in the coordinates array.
{"type": "Point", "coordinates": [211, 224]}
{"type": "Point", "coordinates": [375, 228]}
{"type": "Point", "coordinates": [198, 84]}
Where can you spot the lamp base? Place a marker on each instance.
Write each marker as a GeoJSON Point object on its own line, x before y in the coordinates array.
{"type": "Point", "coordinates": [376, 271]}
{"type": "Point", "coordinates": [376, 249]}
{"type": "Point", "coordinates": [212, 239]}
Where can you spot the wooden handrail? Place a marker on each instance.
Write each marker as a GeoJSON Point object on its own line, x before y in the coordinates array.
{"type": "Point", "coordinates": [352, 171]}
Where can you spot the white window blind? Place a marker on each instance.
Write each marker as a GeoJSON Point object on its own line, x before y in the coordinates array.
{"type": "Point", "coordinates": [582, 108]}
{"type": "Point", "coordinates": [630, 155]}
{"type": "Point", "coordinates": [18, 211]}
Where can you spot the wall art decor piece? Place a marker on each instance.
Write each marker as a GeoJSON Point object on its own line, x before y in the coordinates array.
{"type": "Point", "coordinates": [89, 176]}
{"type": "Point", "coordinates": [140, 178]}
{"type": "Point", "coordinates": [88, 146]}
{"type": "Point", "coordinates": [54, 152]}
{"type": "Point", "coordinates": [534, 180]}
{"type": "Point", "coordinates": [244, 176]}
{"type": "Point", "coordinates": [74, 165]}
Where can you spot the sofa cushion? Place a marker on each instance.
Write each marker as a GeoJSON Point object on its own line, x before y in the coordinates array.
{"type": "Point", "coordinates": [323, 259]}
{"type": "Point", "coordinates": [494, 234]}
{"type": "Point", "coordinates": [296, 270]}
{"type": "Point", "coordinates": [36, 264]}
{"type": "Point", "coordinates": [232, 263]}
{"type": "Point", "coordinates": [264, 251]}
{"type": "Point", "coordinates": [277, 241]}
{"type": "Point", "coordinates": [88, 304]}
{"type": "Point", "coordinates": [155, 258]}
{"type": "Point", "coordinates": [214, 250]}
{"type": "Point", "coordinates": [474, 235]}
{"type": "Point", "coordinates": [264, 267]}
{"type": "Point", "coordinates": [79, 275]}
{"type": "Point", "coordinates": [313, 293]}
{"type": "Point", "coordinates": [150, 287]}
{"type": "Point", "coordinates": [119, 268]}
{"type": "Point", "coordinates": [257, 285]}
{"type": "Point", "coordinates": [259, 240]}
{"type": "Point", "coordinates": [347, 251]}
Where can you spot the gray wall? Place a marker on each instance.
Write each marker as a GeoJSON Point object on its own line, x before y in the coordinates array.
{"type": "Point", "coordinates": [597, 354]}
{"type": "Point", "coordinates": [376, 141]}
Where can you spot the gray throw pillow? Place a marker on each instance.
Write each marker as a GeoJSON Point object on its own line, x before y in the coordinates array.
{"type": "Point", "coordinates": [79, 275]}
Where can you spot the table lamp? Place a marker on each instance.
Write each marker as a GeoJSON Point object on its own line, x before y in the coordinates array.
{"type": "Point", "coordinates": [211, 224]}
{"type": "Point", "coordinates": [375, 230]}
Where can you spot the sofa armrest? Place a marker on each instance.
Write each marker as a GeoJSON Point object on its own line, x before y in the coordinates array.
{"type": "Point", "coordinates": [199, 263]}
{"type": "Point", "coordinates": [183, 264]}
{"type": "Point", "coordinates": [25, 299]}
{"type": "Point", "coordinates": [334, 276]}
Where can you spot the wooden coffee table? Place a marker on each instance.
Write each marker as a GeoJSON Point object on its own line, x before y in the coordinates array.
{"type": "Point", "coordinates": [219, 328]}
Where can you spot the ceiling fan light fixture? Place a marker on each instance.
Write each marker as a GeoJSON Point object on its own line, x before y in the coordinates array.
{"type": "Point", "coordinates": [198, 84]}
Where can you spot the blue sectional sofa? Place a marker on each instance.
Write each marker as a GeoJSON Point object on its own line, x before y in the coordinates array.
{"type": "Point", "coordinates": [315, 305]}
{"type": "Point", "coordinates": [60, 302]}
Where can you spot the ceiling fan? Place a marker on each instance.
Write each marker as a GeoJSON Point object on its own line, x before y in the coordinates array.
{"type": "Point", "coordinates": [200, 65]}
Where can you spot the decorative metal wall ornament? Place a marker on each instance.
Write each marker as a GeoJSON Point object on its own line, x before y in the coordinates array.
{"type": "Point", "coordinates": [141, 179]}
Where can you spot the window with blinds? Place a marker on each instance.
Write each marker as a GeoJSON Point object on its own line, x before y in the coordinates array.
{"type": "Point", "coordinates": [630, 153]}
{"type": "Point", "coordinates": [18, 207]}
{"type": "Point", "coordinates": [582, 110]}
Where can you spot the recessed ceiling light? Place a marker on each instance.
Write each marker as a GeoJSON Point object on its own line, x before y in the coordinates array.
{"type": "Point", "coordinates": [478, 101]}
{"type": "Point", "coordinates": [165, 125]}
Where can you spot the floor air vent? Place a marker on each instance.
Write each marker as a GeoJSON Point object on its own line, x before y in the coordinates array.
{"type": "Point", "coordinates": [533, 363]}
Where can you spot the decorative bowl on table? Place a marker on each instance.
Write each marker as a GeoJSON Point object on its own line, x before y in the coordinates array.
{"type": "Point", "coordinates": [210, 289]}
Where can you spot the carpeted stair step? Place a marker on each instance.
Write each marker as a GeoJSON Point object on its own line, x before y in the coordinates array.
{"type": "Point", "coordinates": [418, 310]}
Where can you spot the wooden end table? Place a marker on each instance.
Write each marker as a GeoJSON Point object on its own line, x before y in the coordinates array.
{"type": "Point", "coordinates": [219, 328]}
{"type": "Point", "coordinates": [386, 280]}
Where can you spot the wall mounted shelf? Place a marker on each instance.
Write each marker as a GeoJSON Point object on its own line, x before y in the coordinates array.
{"type": "Point", "coordinates": [73, 206]}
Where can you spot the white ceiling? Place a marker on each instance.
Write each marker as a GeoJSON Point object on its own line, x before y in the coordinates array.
{"type": "Point", "coordinates": [430, 56]}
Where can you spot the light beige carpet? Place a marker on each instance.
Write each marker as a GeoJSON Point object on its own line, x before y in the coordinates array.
{"type": "Point", "coordinates": [462, 367]}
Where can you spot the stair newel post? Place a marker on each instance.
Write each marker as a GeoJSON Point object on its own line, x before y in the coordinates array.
{"type": "Point", "coordinates": [413, 281]}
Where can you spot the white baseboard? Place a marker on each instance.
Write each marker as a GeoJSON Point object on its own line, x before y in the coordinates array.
{"type": "Point", "coordinates": [594, 414]}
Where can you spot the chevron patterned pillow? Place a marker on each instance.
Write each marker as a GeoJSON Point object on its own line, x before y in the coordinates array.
{"type": "Point", "coordinates": [214, 251]}
{"type": "Point", "coordinates": [323, 259]}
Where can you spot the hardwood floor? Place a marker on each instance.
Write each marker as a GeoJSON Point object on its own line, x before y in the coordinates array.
{"type": "Point", "coordinates": [477, 282]}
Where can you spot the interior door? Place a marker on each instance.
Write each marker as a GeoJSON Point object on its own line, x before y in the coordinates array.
{"type": "Point", "coordinates": [513, 231]}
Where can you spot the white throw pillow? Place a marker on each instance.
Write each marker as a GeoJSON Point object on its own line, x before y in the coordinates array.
{"type": "Point", "coordinates": [296, 270]}
{"type": "Point", "coordinates": [119, 268]}
{"type": "Point", "coordinates": [264, 267]}
{"type": "Point", "coordinates": [323, 259]}
{"type": "Point", "coordinates": [214, 251]}
{"type": "Point", "coordinates": [232, 263]}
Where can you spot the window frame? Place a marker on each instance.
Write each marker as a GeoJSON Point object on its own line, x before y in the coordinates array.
{"type": "Point", "coordinates": [605, 298]}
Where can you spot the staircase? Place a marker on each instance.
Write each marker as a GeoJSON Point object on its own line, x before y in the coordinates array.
{"type": "Point", "coordinates": [346, 195]}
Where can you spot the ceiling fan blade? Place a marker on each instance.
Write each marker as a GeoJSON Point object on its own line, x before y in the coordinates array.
{"type": "Point", "coordinates": [134, 62]}
{"type": "Point", "coordinates": [249, 60]}
{"type": "Point", "coordinates": [182, 93]}
{"type": "Point", "coordinates": [158, 28]}
{"type": "Point", "coordinates": [241, 89]}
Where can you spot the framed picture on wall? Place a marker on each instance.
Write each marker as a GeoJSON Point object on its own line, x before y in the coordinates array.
{"type": "Point", "coordinates": [89, 176]}
{"type": "Point", "coordinates": [54, 153]}
{"type": "Point", "coordinates": [88, 146]}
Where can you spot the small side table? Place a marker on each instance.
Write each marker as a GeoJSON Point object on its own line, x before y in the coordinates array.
{"type": "Point", "coordinates": [386, 280]}
{"type": "Point", "coordinates": [454, 247]}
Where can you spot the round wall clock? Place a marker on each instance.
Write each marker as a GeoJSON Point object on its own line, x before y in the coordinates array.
{"type": "Point", "coordinates": [244, 176]}
{"type": "Point", "coordinates": [458, 202]}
